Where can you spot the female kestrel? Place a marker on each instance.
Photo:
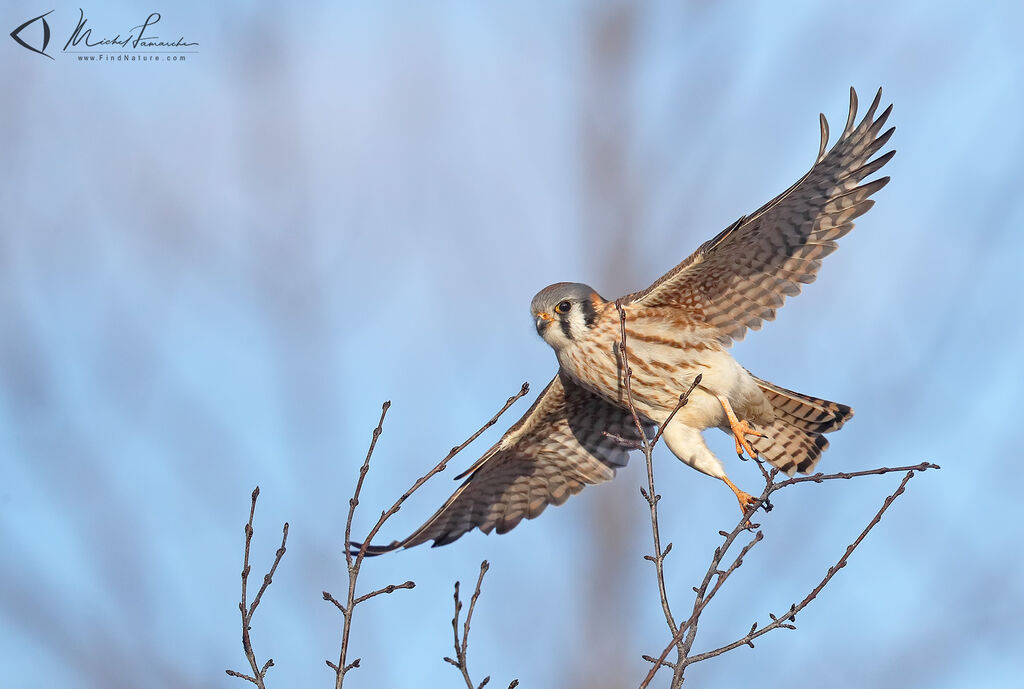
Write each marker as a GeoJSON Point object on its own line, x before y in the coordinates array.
{"type": "Point", "coordinates": [679, 327]}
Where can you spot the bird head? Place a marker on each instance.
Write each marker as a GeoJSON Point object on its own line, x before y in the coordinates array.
{"type": "Point", "coordinates": [564, 311]}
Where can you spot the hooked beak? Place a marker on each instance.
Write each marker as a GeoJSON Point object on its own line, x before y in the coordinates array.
{"type": "Point", "coordinates": [543, 319]}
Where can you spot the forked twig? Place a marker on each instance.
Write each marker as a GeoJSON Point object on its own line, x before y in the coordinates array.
{"type": "Point", "coordinates": [650, 495]}
{"type": "Point", "coordinates": [259, 673]}
{"type": "Point", "coordinates": [785, 620]}
{"type": "Point", "coordinates": [354, 555]}
{"type": "Point", "coordinates": [462, 645]}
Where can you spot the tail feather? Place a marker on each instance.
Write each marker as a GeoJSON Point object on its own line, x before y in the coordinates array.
{"type": "Point", "coordinates": [794, 440]}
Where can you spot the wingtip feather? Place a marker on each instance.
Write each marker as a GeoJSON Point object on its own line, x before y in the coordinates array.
{"type": "Point", "coordinates": [824, 135]}
{"type": "Point", "coordinates": [852, 115]}
{"type": "Point", "coordinates": [373, 550]}
{"type": "Point", "coordinates": [874, 104]}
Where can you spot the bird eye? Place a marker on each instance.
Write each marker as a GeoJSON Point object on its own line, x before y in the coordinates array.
{"type": "Point", "coordinates": [563, 306]}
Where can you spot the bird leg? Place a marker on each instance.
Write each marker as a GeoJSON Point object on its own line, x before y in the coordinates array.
{"type": "Point", "coordinates": [740, 429]}
{"type": "Point", "coordinates": [746, 499]}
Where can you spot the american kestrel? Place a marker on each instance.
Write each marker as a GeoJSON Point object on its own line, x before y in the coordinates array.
{"type": "Point", "coordinates": [679, 327]}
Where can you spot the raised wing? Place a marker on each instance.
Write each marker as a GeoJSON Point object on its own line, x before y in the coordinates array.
{"type": "Point", "coordinates": [559, 446]}
{"type": "Point", "coordinates": [741, 277]}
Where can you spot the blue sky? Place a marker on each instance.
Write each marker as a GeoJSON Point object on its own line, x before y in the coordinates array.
{"type": "Point", "coordinates": [214, 272]}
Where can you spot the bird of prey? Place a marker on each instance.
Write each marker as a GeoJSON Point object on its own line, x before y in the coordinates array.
{"type": "Point", "coordinates": [581, 427]}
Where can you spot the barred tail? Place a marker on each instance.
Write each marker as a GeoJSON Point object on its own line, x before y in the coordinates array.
{"type": "Point", "coordinates": [795, 438]}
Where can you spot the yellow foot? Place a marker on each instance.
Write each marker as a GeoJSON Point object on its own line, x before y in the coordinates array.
{"type": "Point", "coordinates": [740, 430]}
{"type": "Point", "coordinates": [746, 499]}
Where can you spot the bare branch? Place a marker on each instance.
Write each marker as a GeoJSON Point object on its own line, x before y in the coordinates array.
{"type": "Point", "coordinates": [650, 495]}
{"type": "Point", "coordinates": [462, 646]}
{"type": "Point", "coordinates": [242, 675]}
{"type": "Point", "coordinates": [439, 467]}
{"type": "Point", "coordinates": [354, 554]}
{"type": "Point", "coordinates": [683, 399]}
{"type": "Point", "coordinates": [331, 599]}
{"type": "Point", "coordinates": [341, 667]}
{"type": "Point", "coordinates": [785, 620]}
{"type": "Point", "coordinates": [390, 588]}
{"type": "Point", "coordinates": [819, 477]}
{"type": "Point", "coordinates": [247, 612]}
{"type": "Point", "coordinates": [689, 628]}
{"type": "Point", "coordinates": [270, 575]}
{"type": "Point", "coordinates": [359, 482]}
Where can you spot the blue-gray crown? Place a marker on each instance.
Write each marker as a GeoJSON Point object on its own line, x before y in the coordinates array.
{"type": "Point", "coordinates": [549, 297]}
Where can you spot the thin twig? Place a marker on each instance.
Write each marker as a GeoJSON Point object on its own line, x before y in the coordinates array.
{"type": "Point", "coordinates": [650, 495]}
{"type": "Point", "coordinates": [461, 647]}
{"type": "Point", "coordinates": [362, 477]}
{"type": "Point", "coordinates": [785, 619]}
{"type": "Point", "coordinates": [683, 399]}
{"type": "Point", "coordinates": [331, 599]}
{"type": "Point", "coordinates": [390, 588]}
{"type": "Point", "coordinates": [688, 630]}
{"type": "Point", "coordinates": [703, 597]}
{"type": "Point", "coordinates": [354, 555]}
{"type": "Point", "coordinates": [439, 467]}
{"type": "Point", "coordinates": [819, 477]}
{"type": "Point", "coordinates": [258, 673]}
{"type": "Point", "coordinates": [342, 667]}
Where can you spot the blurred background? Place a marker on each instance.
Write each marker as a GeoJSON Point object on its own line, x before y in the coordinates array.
{"type": "Point", "coordinates": [212, 274]}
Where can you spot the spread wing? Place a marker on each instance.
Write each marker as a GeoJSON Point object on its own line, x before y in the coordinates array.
{"type": "Point", "coordinates": [558, 447]}
{"type": "Point", "coordinates": [741, 277]}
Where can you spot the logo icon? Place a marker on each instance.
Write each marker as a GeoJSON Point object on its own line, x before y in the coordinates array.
{"type": "Point", "coordinates": [46, 35]}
